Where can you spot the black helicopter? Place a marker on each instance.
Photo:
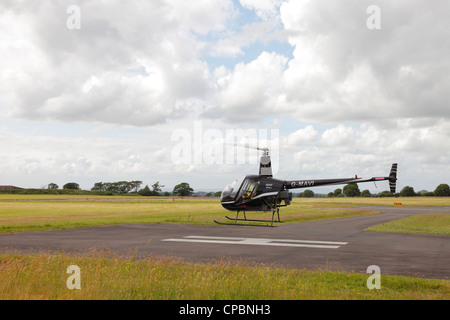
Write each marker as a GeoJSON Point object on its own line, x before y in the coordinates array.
{"type": "Point", "coordinates": [262, 192]}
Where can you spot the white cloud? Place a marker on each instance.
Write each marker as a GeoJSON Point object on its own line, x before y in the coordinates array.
{"type": "Point", "coordinates": [34, 159]}
{"type": "Point", "coordinates": [233, 45]}
{"type": "Point", "coordinates": [354, 98]}
{"type": "Point", "coordinates": [251, 90]}
{"type": "Point", "coordinates": [140, 69]}
{"type": "Point", "coordinates": [301, 137]}
{"type": "Point", "coordinates": [122, 66]}
{"type": "Point", "coordinates": [342, 71]}
{"type": "Point", "coordinates": [339, 136]}
{"type": "Point", "coordinates": [368, 150]}
{"type": "Point", "coordinates": [265, 9]}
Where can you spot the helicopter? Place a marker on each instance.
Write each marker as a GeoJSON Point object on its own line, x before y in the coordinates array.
{"type": "Point", "coordinates": [263, 192]}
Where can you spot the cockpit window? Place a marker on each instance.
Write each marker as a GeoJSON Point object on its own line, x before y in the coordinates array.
{"type": "Point", "coordinates": [230, 191]}
{"type": "Point", "coordinates": [249, 189]}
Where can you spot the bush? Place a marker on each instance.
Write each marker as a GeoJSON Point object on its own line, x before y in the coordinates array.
{"type": "Point", "coordinates": [385, 194]}
{"type": "Point", "coordinates": [72, 186]}
{"type": "Point", "coordinates": [146, 192]}
{"type": "Point", "coordinates": [306, 194]}
{"type": "Point", "coordinates": [442, 190]}
{"type": "Point", "coordinates": [407, 192]}
{"type": "Point", "coordinates": [352, 190]}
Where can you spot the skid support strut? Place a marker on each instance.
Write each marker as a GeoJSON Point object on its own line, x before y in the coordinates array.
{"type": "Point", "coordinates": [236, 219]}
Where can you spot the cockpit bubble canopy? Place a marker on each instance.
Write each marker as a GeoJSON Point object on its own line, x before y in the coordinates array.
{"type": "Point", "coordinates": [230, 191]}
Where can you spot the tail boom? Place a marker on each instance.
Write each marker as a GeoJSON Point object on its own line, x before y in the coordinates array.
{"type": "Point", "coordinates": [294, 184]}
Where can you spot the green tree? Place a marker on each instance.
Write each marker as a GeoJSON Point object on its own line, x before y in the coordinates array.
{"type": "Point", "coordinates": [124, 186]}
{"type": "Point", "coordinates": [52, 186]}
{"type": "Point", "coordinates": [425, 193]}
{"type": "Point", "coordinates": [352, 190]}
{"type": "Point", "coordinates": [98, 186]}
{"type": "Point", "coordinates": [385, 194]}
{"type": "Point", "coordinates": [71, 186]}
{"type": "Point", "coordinates": [308, 194]}
{"type": "Point", "coordinates": [337, 192]}
{"type": "Point", "coordinates": [366, 193]}
{"type": "Point", "coordinates": [156, 188]}
{"type": "Point", "coordinates": [135, 184]}
{"type": "Point", "coordinates": [407, 192]}
{"type": "Point", "coordinates": [145, 191]}
{"type": "Point", "coordinates": [442, 190]}
{"type": "Point", "coordinates": [183, 190]}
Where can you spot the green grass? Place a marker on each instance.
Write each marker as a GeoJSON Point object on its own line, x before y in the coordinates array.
{"type": "Point", "coordinates": [430, 223]}
{"type": "Point", "coordinates": [19, 213]}
{"type": "Point", "coordinates": [24, 215]}
{"type": "Point", "coordinates": [105, 276]}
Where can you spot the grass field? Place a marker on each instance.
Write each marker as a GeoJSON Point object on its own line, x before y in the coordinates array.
{"type": "Point", "coordinates": [430, 223]}
{"type": "Point", "coordinates": [107, 276]}
{"type": "Point", "coordinates": [103, 276]}
{"type": "Point", "coordinates": [29, 213]}
{"type": "Point", "coordinates": [20, 213]}
{"type": "Point", "coordinates": [47, 212]}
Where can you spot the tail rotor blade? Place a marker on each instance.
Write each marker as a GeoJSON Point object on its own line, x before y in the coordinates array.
{"type": "Point", "coordinates": [393, 178]}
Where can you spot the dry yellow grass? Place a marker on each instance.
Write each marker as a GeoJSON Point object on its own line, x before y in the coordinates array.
{"type": "Point", "coordinates": [104, 275]}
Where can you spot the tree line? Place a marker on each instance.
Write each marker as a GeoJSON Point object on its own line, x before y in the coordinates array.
{"type": "Point", "coordinates": [124, 187]}
{"type": "Point", "coordinates": [352, 190]}
{"type": "Point", "coordinates": [184, 189]}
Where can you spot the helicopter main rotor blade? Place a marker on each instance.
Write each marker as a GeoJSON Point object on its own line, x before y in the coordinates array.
{"type": "Point", "coordinates": [248, 146]}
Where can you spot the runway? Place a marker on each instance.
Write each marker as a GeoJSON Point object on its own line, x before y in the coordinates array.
{"type": "Point", "coordinates": [335, 244]}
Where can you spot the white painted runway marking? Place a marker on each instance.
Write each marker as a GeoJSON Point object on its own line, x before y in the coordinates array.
{"type": "Point", "coordinates": [262, 242]}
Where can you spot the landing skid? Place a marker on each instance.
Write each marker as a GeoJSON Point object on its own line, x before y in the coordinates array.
{"type": "Point", "coordinates": [243, 225]}
{"type": "Point", "coordinates": [236, 219]}
{"type": "Point", "coordinates": [256, 220]}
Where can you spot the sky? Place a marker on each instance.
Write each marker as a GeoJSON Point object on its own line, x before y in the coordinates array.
{"type": "Point", "coordinates": [172, 91]}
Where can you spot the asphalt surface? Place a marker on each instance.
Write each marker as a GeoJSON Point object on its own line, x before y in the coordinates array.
{"type": "Point", "coordinates": [335, 244]}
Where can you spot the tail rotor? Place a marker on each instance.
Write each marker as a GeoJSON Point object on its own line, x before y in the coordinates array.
{"type": "Point", "coordinates": [393, 178]}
